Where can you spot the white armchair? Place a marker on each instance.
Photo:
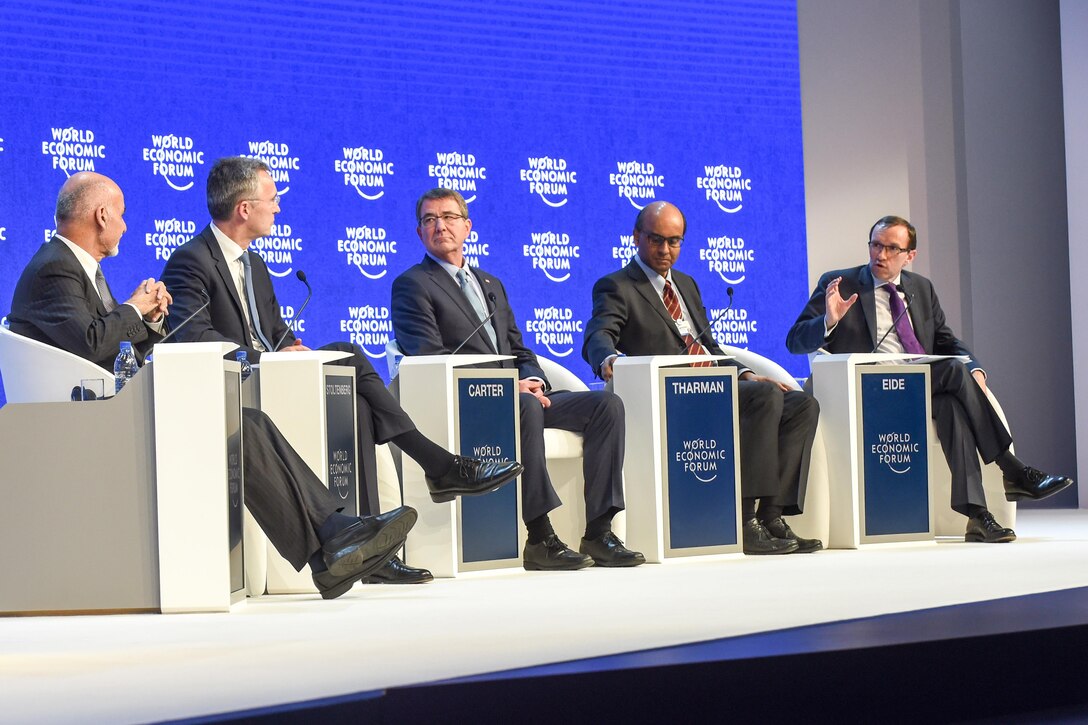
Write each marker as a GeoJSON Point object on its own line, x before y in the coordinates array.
{"type": "Point", "coordinates": [35, 372]}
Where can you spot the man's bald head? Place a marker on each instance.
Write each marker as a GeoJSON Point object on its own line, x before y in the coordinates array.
{"type": "Point", "coordinates": [654, 210]}
{"type": "Point", "coordinates": [89, 212]}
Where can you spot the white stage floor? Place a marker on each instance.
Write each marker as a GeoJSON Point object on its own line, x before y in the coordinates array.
{"type": "Point", "coordinates": [281, 649]}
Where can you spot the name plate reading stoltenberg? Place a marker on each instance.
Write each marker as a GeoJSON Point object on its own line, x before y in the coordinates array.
{"type": "Point", "coordinates": [701, 474]}
{"type": "Point", "coordinates": [488, 430]}
{"type": "Point", "coordinates": [895, 495]}
{"type": "Point", "coordinates": [235, 477]}
{"type": "Point", "coordinates": [343, 473]}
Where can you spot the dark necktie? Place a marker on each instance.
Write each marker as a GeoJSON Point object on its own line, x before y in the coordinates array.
{"type": "Point", "coordinates": [903, 329]}
{"type": "Point", "coordinates": [477, 304]}
{"type": "Point", "coordinates": [104, 291]}
{"type": "Point", "coordinates": [254, 316]}
{"type": "Point", "coordinates": [672, 304]}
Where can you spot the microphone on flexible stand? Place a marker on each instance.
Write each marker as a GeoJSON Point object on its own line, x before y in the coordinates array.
{"type": "Point", "coordinates": [490, 298]}
{"type": "Point", "coordinates": [301, 276]}
{"type": "Point", "coordinates": [717, 317]}
{"type": "Point", "coordinates": [910, 298]}
{"type": "Point", "coordinates": [174, 330]}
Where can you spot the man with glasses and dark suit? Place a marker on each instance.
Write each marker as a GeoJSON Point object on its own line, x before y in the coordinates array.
{"type": "Point", "coordinates": [967, 424]}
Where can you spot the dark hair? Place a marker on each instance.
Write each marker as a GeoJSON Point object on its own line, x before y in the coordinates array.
{"type": "Point", "coordinates": [896, 221]}
{"type": "Point", "coordinates": [232, 179]}
{"type": "Point", "coordinates": [440, 193]}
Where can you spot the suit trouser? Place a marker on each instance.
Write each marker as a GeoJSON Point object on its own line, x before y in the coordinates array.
{"type": "Point", "coordinates": [598, 416]}
{"type": "Point", "coordinates": [379, 419]}
{"type": "Point", "coordinates": [968, 427]}
{"type": "Point", "coordinates": [285, 497]}
{"type": "Point", "coordinates": [776, 434]}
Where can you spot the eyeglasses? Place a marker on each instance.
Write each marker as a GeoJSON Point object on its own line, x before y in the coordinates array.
{"type": "Point", "coordinates": [429, 220]}
{"type": "Point", "coordinates": [891, 249]}
{"type": "Point", "coordinates": [657, 240]}
{"type": "Point", "coordinates": [274, 200]}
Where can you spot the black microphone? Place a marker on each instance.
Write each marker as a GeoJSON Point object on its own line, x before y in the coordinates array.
{"type": "Point", "coordinates": [173, 330]}
{"type": "Point", "coordinates": [910, 298]}
{"type": "Point", "coordinates": [717, 317]}
{"type": "Point", "coordinates": [491, 299]}
{"type": "Point", "coordinates": [309, 293]}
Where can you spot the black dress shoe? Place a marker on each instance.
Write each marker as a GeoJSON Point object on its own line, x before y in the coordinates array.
{"type": "Point", "coordinates": [396, 571]}
{"type": "Point", "coordinates": [366, 539]}
{"type": "Point", "coordinates": [1034, 484]}
{"type": "Point", "coordinates": [779, 529]}
{"type": "Point", "coordinates": [472, 477]}
{"type": "Point", "coordinates": [759, 541]}
{"type": "Point", "coordinates": [608, 550]}
{"type": "Point", "coordinates": [332, 585]}
{"type": "Point", "coordinates": [553, 555]}
{"type": "Point", "coordinates": [985, 528]}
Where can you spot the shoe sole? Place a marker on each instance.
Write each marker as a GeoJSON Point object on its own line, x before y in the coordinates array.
{"type": "Point", "coordinates": [772, 553]}
{"type": "Point", "coordinates": [447, 496]}
{"type": "Point", "coordinates": [618, 565]}
{"type": "Point", "coordinates": [394, 532]}
{"type": "Point", "coordinates": [537, 567]}
{"type": "Point", "coordinates": [809, 549]}
{"type": "Point", "coordinates": [378, 580]}
{"type": "Point", "coordinates": [1029, 497]}
{"type": "Point", "coordinates": [980, 539]}
{"type": "Point", "coordinates": [344, 586]}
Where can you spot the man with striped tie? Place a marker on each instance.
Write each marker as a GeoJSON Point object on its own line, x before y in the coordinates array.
{"type": "Point", "coordinates": [649, 308]}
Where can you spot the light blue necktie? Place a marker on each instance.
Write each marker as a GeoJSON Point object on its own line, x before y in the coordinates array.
{"type": "Point", "coordinates": [477, 304]}
{"type": "Point", "coordinates": [254, 316]}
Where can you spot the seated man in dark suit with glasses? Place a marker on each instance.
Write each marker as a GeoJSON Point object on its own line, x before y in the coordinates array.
{"type": "Point", "coordinates": [833, 320]}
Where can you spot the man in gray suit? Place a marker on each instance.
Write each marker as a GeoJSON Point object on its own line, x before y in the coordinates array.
{"type": "Point", "coordinates": [650, 308]}
{"type": "Point", "coordinates": [833, 320]}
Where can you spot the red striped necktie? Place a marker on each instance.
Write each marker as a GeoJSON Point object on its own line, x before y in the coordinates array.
{"type": "Point", "coordinates": [672, 304]}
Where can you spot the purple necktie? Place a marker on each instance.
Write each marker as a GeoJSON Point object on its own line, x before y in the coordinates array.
{"type": "Point", "coordinates": [902, 325]}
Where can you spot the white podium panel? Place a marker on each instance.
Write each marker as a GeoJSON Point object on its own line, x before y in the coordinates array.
{"type": "Point", "coordinates": [313, 405]}
{"type": "Point", "coordinates": [430, 393]}
{"type": "Point", "coordinates": [682, 464]}
{"type": "Point", "coordinates": [876, 425]}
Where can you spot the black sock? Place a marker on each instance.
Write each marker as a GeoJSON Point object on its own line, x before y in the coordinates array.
{"type": "Point", "coordinates": [317, 562]}
{"type": "Point", "coordinates": [768, 511]}
{"type": "Point", "coordinates": [1009, 464]}
{"type": "Point", "coordinates": [596, 528]}
{"type": "Point", "coordinates": [431, 457]}
{"type": "Point", "coordinates": [539, 529]}
{"type": "Point", "coordinates": [333, 525]}
{"type": "Point", "coordinates": [974, 510]}
{"type": "Point", "coordinates": [747, 509]}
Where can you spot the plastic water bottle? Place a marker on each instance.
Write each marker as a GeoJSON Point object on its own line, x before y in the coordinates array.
{"type": "Point", "coordinates": [125, 366]}
{"type": "Point", "coordinates": [243, 359]}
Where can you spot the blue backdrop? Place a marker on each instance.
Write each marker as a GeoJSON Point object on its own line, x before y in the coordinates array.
{"type": "Point", "coordinates": [558, 121]}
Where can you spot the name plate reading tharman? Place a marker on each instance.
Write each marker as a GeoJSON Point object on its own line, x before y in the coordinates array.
{"type": "Point", "coordinates": [700, 460]}
{"type": "Point", "coordinates": [894, 495]}
{"type": "Point", "coordinates": [235, 477]}
{"type": "Point", "coordinates": [486, 412]}
{"type": "Point", "coordinates": [343, 471]}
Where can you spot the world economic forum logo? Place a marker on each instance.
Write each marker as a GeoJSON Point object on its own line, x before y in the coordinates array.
{"type": "Point", "coordinates": [367, 249]}
{"type": "Point", "coordinates": [174, 158]}
{"type": "Point", "coordinates": [554, 329]}
{"type": "Point", "coordinates": [625, 249]}
{"type": "Point", "coordinates": [549, 178]}
{"type": "Point", "coordinates": [73, 149]}
{"type": "Point", "coordinates": [278, 249]}
{"type": "Point", "coordinates": [728, 257]}
{"type": "Point", "coordinates": [551, 253]}
{"type": "Point", "coordinates": [637, 182]}
{"type": "Point", "coordinates": [474, 249]}
{"type": "Point", "coordinates": [896, 451]}
{"type": "Point", "coordinates": [369, 327]}
{"type": "Point", "coordinates": [458, 172]}
{"type": "Point", "coordinates": [733, 326]}
{"type": "Point", "coordinates": [725, 186]}
{"type": "Point", "coordinates": [169, 234]}
{"type": "Point", "coordinates": [365, 169]}
{"type": "Point", "coordinates": [279, 159]}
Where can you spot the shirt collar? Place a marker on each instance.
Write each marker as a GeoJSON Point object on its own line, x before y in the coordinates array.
{"type": "Point", "coordinates": [231, 250]}
{"type": "Point", "coordinates": [89, 263]}
{"type": "Point", "coordinates": [655, 279]}
{"type": "Point", "coordinates": [450, 268]}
